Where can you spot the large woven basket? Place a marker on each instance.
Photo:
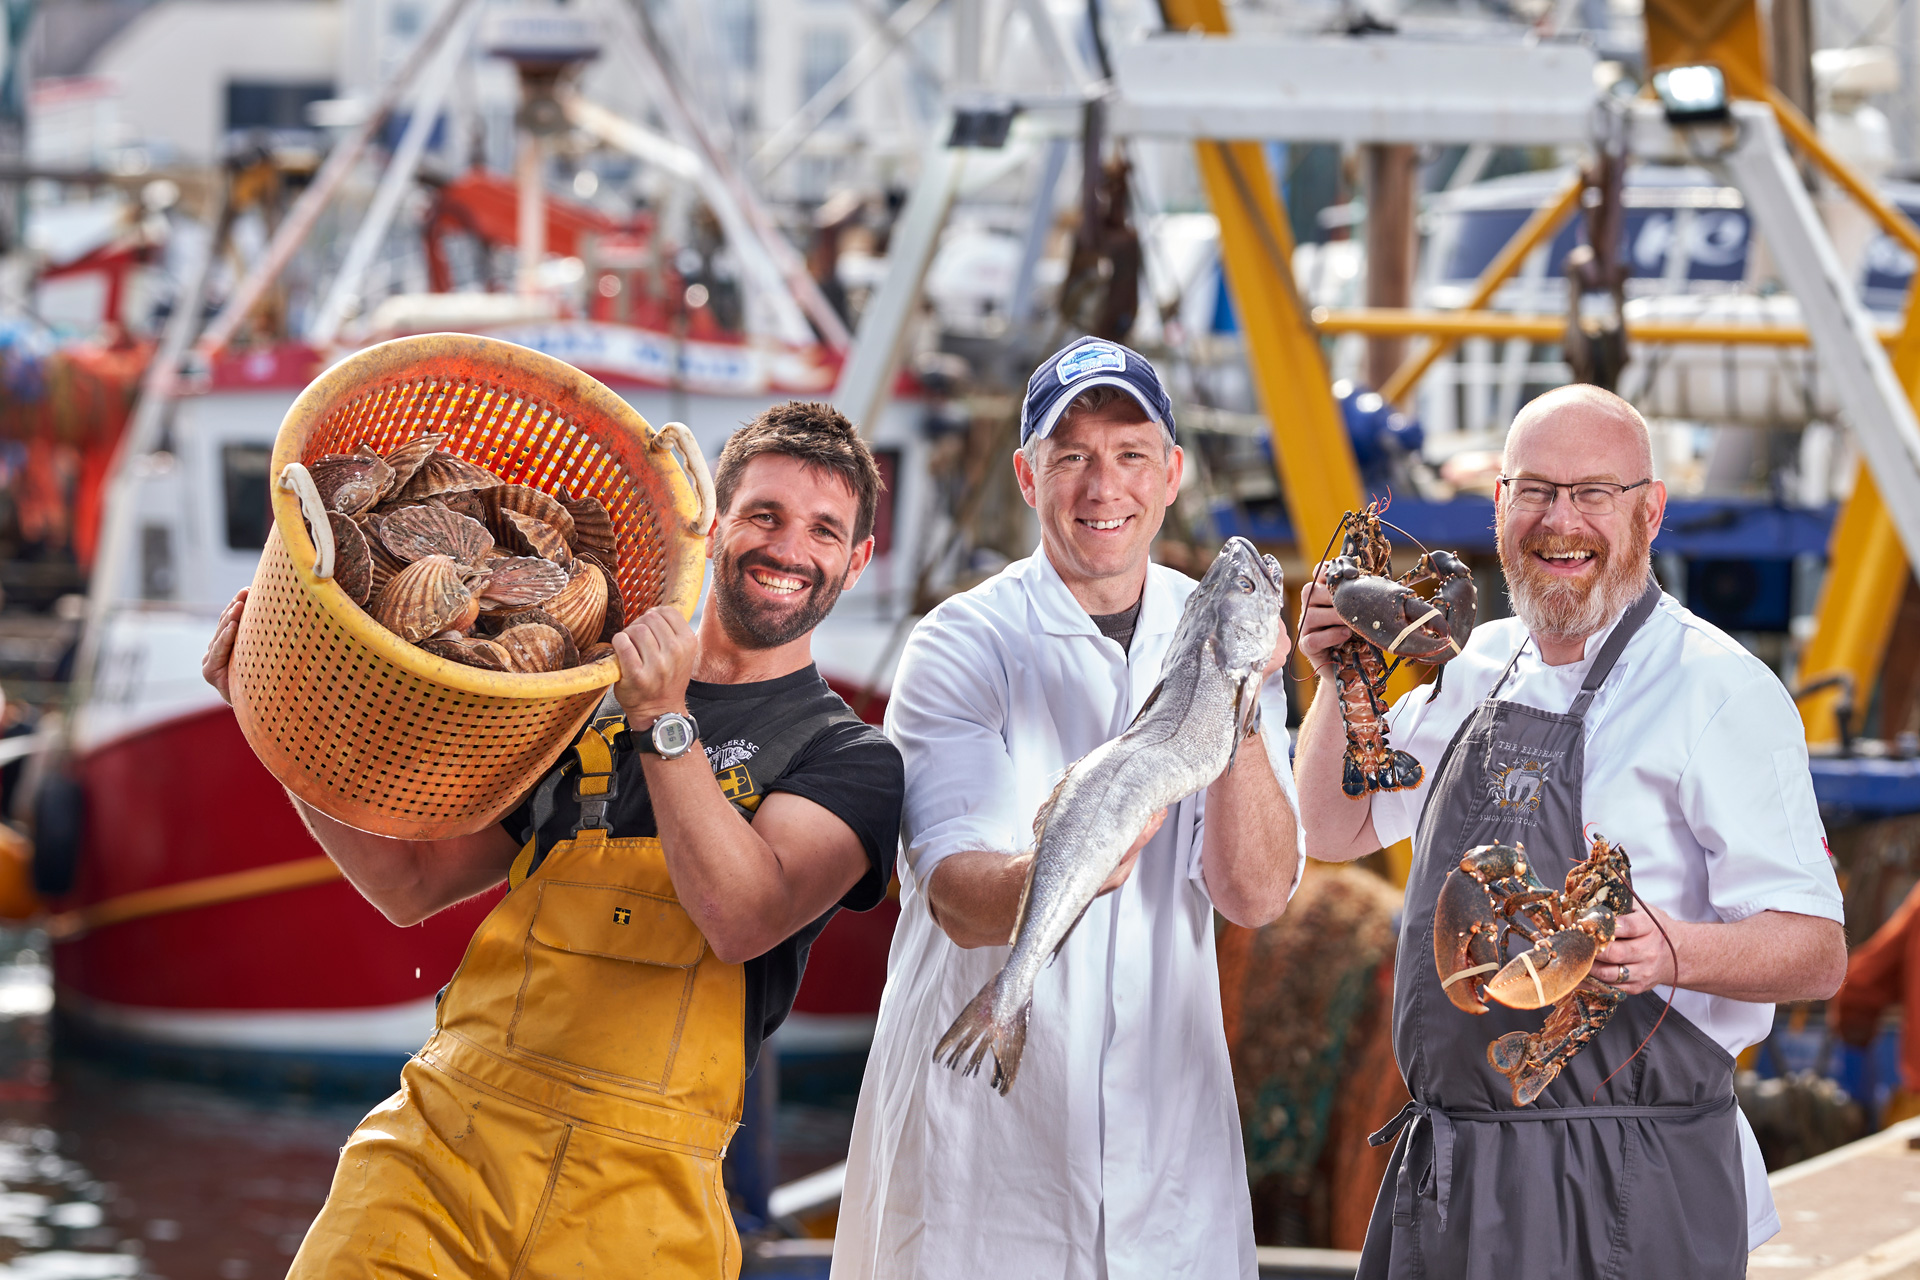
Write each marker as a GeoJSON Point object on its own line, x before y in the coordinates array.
{"type": "Point", "coordinates": [383, 735]}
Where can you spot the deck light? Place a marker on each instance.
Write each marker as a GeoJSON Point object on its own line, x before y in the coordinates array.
{"type": "Point", "coordinates": [1692, 95]}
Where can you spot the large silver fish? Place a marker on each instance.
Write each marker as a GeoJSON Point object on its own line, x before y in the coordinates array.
{"type": "Point", "coordinates": [1186, 735]}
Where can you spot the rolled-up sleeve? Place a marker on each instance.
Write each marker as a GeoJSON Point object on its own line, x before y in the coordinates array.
{"type": "Point", "coordinates": [947, 714]}
{"type": "Point", "coordinates": [1748, 798]}
{"type": "Point", "coordinates": [1409, 728]}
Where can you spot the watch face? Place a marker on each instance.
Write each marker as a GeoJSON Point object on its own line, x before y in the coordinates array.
{"type": "Point", "coordinates": [672, 736]}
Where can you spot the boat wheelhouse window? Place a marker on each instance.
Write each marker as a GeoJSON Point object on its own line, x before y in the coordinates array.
{"type": "Point", "coordinates": [157, 578]}
{"type": "Point", "coordinates": [243, 484]}
{"type": "Point", "coordinates": [269, 104]}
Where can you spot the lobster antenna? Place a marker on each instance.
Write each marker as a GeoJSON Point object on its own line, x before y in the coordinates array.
{"type": "Point", "coordinates": [1301, 621]}
{"type": "Point", "coordinates": [1425, 550]}
{"type": "Point", "coordinates": [1663, 1013]}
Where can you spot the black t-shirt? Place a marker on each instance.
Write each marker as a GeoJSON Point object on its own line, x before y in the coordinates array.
{"type": "Point", "coordinates": [847, 768]}
{"type": "Point", "coordinates": [1120, 626]}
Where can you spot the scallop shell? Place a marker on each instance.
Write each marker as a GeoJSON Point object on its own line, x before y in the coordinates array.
{"type": "Point", "coordinates": [412, 533]}
{"type": "Point", "coordinates": [384, 563]}
{"type": "Point", "coordinates": [501, 619]}
{"type": "Point", "coordinates": [445, 472]}
{"type": "Point", "coordinates": [408, 458]}
{"type": "Point", "coordinates": [466, 502]}
{"type": "Point", "coordinates": [616, 605]}
{"type": "Point", "coordinates": [528, 501]}
{"type": "Point", "coordinates": [425, 598]}
{"type": "Point", "coordinates": [514, 582]}
{"type": "Point", "coordinates": [474, 653]}
{"type": "Point", "coordinates": [534, 646]}
{"type": "Point", "coordinates": [352, 560]}
{"type": "Point", "coordinates": [534, 537]}
{"type": "Point", "coordinates": [595, 652]}
{"type": "Point", "coordinates": [581, 606]}
{"type": "Point", "coordinates": [349, 484]}
{"type": "Point", "coordinates": [592, 528]}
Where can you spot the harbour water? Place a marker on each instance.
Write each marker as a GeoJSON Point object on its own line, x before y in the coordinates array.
{"type": "Point", "coordinates": [107, 1173]}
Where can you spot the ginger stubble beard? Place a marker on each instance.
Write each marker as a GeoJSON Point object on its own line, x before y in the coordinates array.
{"type": "Point", "coordinates": [1565, 610]}
{"type": "Point", "coordinates": [754, 624]}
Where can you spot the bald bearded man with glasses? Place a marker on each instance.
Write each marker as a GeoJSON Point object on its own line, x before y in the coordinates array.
{"type": "Point", "coordinates": [1604, 706]}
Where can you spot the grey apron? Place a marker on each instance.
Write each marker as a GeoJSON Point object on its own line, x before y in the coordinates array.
{"type": "Point", "coordinates": [1643, 1180]}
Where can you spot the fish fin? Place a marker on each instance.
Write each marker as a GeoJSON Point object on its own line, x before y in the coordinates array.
{"type": "Point", "coordinates": [1246, 712]}
{"type": "Point", "coordinates": [985, 1028]}
{"type": "Point", "coordinates": [1147, 706]}
{"type": "Point", "coordinates": [1026, 896]}
{"type": "Point", "coordinates": [1046, 807]}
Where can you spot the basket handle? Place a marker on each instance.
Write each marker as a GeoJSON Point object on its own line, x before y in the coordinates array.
{"type": "Point", "coordinates": [677, 437]}
{"type": "Point", "coordinates": [298, 480]}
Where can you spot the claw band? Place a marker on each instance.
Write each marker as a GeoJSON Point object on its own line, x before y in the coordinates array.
{"type": "Point", "coordinates": [1431, 613]}
{"type": "Point", "coordinates": [1538, 990]}
{"type": "Point", "coordinates": [1475, 971]}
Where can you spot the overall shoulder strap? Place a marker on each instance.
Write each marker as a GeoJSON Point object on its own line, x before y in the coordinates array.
{"type": "Point", "coordinates": [1630, 623]}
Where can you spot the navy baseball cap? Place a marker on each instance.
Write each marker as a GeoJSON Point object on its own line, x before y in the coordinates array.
{"type": "Point", "coordinates": [1084, 363]}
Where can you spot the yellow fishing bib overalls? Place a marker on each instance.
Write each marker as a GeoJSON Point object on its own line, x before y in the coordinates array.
{"type": "Point", "coordinates": [584, 1077]}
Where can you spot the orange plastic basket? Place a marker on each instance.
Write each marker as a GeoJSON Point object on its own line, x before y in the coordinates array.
{"type": "Point", "coordinates": [383, 735]}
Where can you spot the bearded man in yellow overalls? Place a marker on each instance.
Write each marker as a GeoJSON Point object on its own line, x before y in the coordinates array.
{"type": "Point", "coordinates": [569, 1113]}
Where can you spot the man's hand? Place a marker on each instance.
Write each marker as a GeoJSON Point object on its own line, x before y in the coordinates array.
{"type": "Point", "coordinates": [1639, 946]}
{"type": "Point", "coordinates": [1125, 869]}
{"type": "Point", "coordinates": [1320, 627]}
{"type": "Point", "coordinates": [219, 655]}
{"type": "Point", "coordinates": [1282, 649]}
{"type": "Point", "coordinates": [656, 656]}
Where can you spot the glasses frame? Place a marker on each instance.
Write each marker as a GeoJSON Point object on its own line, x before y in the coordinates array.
{"type": "Point", "coordinates": [1622, 490]}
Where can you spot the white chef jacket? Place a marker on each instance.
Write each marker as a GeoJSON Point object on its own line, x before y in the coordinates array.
{"type": "Point", "coordinates": [1696, 763]}
{"type": "Point", "coordinates": [1118, 1151]}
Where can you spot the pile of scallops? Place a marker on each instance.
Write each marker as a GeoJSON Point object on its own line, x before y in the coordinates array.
{"type": "Point", "coordinates": [448, 556]}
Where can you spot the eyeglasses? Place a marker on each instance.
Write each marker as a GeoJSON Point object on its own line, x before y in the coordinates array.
{"type": "Point", "coordinates": [1593, 497]}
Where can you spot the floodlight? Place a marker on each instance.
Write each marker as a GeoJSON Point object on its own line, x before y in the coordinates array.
{"type": "Point", "coordinates": [1693, 94]}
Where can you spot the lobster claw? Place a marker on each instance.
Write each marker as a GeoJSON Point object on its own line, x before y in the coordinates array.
{"type": "Point", "coordinates": [1464, 949]}
{"type": "Point", "coordinates": [1390, 616]}
{"type": "Point", "coordinates": [1553, 968]}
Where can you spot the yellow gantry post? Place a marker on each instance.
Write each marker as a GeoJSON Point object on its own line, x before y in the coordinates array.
{"type": "Point", "coordinates": [1866, 577]}
{"type": "Point", "coordinates": [1318, 474]}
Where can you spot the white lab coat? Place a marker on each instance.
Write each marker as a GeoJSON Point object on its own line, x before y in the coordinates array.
{"type": "Point", "coordinates": [1696, 764]}
{"type": "Point", "coordinates": [1118, 1151]}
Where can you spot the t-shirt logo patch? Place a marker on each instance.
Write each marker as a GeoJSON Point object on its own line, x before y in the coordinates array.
{"type": "Point", "coordinates": [730, 753]}
{"type": "Point", "coordinates": [1094, 357]}
{"type": "Point", "coordinates": [737, 785]}
{"type": "Point", "coordinates": [622, 915]}
{"type": "Point", "coordinates": [1516, 787]}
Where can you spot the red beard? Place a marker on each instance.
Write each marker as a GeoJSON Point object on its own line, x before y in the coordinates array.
{"type": "Point", "coordinates": [1573, 609]}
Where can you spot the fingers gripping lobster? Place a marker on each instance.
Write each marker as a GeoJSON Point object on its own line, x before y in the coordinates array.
{"type": "Point", "coordinates": [1495, 893]}
{"type": "Point", "coordinates": [1388, 615]}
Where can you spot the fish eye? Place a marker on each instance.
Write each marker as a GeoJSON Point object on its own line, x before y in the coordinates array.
{"type": "Point", "coordinates": [1246, 584]}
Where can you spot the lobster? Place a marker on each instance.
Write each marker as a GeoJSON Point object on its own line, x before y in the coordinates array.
{"type": "Point", "coordinates": [1495, 893]}
{"type": "Point", "coordinates": [1387, 615]}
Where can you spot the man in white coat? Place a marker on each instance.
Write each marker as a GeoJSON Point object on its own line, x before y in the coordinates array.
{"type": "Point", "coordinates": [1117, 1152]}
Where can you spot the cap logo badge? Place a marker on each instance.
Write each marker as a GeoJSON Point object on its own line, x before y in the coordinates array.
{"type": "Point", "coordinates": [1093, 357]}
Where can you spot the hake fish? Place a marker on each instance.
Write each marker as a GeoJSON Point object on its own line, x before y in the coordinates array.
{"type": "Point", "coordinates": [1185, 736]}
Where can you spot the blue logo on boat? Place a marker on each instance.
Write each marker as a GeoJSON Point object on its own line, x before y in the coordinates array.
{"type": "Point", "coordinates": [1093, 357]}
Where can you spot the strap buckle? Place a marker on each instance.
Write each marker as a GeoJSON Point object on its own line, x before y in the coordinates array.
{"type": "Point", "coordinates": [595, 791]}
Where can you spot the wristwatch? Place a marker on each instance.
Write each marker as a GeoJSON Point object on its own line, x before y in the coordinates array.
{"type": "Point", "coordinates": [671, 736]}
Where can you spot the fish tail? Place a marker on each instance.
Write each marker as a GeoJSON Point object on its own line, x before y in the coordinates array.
{"type": "Point", "coordinates": [987, 1026]}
